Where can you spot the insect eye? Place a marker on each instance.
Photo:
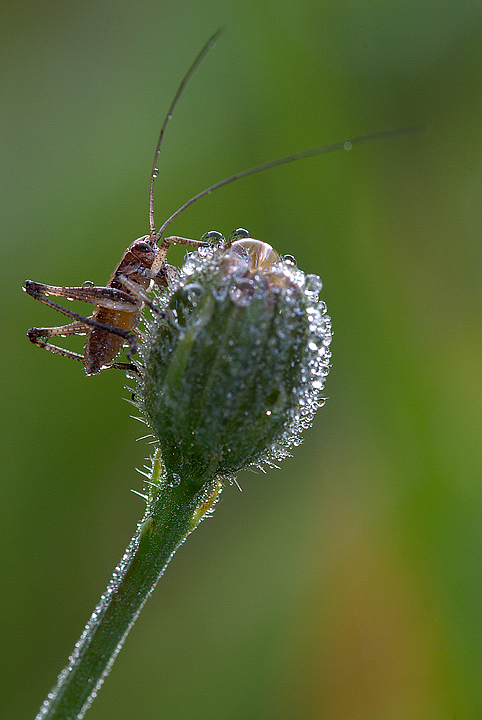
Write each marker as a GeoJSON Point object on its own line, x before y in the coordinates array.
{"type": "Point", "coordinates": [142, 247]}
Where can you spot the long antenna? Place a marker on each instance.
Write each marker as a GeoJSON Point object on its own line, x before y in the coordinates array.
{"type": "Point", "coordinates": [342, 145]}
{"type": "Point", "coordinates": [155, 172]}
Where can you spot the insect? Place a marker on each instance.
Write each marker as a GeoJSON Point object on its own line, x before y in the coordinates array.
{"type": "Point", "coordinates": [118, 305]}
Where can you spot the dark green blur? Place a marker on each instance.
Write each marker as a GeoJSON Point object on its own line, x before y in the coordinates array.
{"type": "Point", "coordinates": [346, 585]}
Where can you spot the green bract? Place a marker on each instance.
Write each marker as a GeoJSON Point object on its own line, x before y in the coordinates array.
{"type": "Point", "coordinates": [234, 364]}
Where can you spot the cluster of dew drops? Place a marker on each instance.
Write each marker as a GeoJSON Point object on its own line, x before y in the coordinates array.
{"type": "Point", "coordinates": [316, 364]}
{"type": "Point", "coordinates": [316, 361]}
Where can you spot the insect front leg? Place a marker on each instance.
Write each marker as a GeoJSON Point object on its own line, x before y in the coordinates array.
{"type": "Point", "coordinates": [37, 337]}
{"type": "Point", "coordinates": [139, 294]}
{"type": "Point", "coordinates": [164, 247]}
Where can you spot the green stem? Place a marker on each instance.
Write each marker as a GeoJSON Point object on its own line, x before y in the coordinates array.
{"type": "Point", "coordinates": [172, 513]}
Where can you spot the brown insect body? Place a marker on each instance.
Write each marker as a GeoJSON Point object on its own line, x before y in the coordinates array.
{"type": "Point", "coordinates": [102, 346]}
{"type": "Point", "coordinates": [118, 308]}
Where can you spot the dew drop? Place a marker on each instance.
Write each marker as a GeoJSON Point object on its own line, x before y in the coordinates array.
{"type": "Point", "coordinates": [213, 237]}
{"type": "Point", "coordinates": [348, 145]}
{"type": "Point", "coordinates": [238, 234]}
{"type": "Point", "coordinates": [193, 293]}
{"type": "Point", "coordinates": [155, 173]}
{"type": "Point", "coordinates": [242, 293]}
{"type": "Point", "coordinates": [289, 260]}
{"type": "Point", "coordinates": [174, 481]}
{"type": "Point", "coordinates": [87, 284]}
{"type": "Point", "coordinates": [220, 290]}
{"type": "Point", "coordinates": [205, 251]}
{"type": "Point", "coordinates": [313, 285]}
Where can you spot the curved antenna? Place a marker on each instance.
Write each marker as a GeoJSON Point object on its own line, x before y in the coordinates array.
{"type": "Point", "coordinates": [342, 145]}
{"type": "Point", "coordinates": [154, 172]}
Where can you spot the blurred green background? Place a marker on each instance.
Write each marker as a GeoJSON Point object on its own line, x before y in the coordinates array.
{"type": "Point", "coordinates": [347, 585]}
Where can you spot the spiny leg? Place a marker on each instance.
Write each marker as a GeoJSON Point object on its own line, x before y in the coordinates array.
{"type": "Point", "coordinates": [140, 294]}
{"type": "Point", "coordinates": [37, 335]}
{"type": "Point", "coordinates": [130, 367]}
{"type": "Point", "coordinates": [36, 290]}
{"type": "Point", "coordinates": [107, 297]}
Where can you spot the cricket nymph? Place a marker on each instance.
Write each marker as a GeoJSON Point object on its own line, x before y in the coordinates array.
{"type": "Point", "coordinates": [102, 346]}
{"type": "Point", "coordinates": [117, 313]}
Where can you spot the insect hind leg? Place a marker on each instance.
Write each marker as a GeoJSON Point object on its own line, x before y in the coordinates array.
{"type": "Point", "coordinates": [38, 337]}
{"type": "Point", "coordinates": [39, 292]}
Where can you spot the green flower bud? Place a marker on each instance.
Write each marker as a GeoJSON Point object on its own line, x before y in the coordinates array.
{"type": "Point", "coordinates": [234, 363]}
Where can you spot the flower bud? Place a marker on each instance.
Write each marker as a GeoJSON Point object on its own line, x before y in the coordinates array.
{"type": "Point", "coordinates": [234, 363]}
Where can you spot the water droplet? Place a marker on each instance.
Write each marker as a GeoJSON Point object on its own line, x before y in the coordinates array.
{"type": "Point", "coordinates": [213, 238]}
{"type": "Point", "coordinates": [348, 145]}
{"type": "Point", "coordinates": [313, 285]}
{"type": "Point", "coordinates": [193, 293]}
{"type": "Point", "coordinates": [238, 234]}
{"type": "Point", "coordinates": [220, 291]}
{"type": "Point", "coordinates": [189, 268]}
{"type": "Point", "coordinates": [289, 260]}
{"type": "Point", "coordinates": [87, 284]}
{"type": "Point", "coordinates": [174, 481]}
{"type": "Point", "coordinates": [155, 173]}
{"type": "Point", "coordinates": [260, 255]}
{"type": "Point", "coordinates": [205, 251]}
{"type": "Point", "coordinates": [242, 293]}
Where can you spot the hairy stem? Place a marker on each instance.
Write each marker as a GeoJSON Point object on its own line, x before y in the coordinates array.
{"type": "Point", "coordinates": [172, 513]}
